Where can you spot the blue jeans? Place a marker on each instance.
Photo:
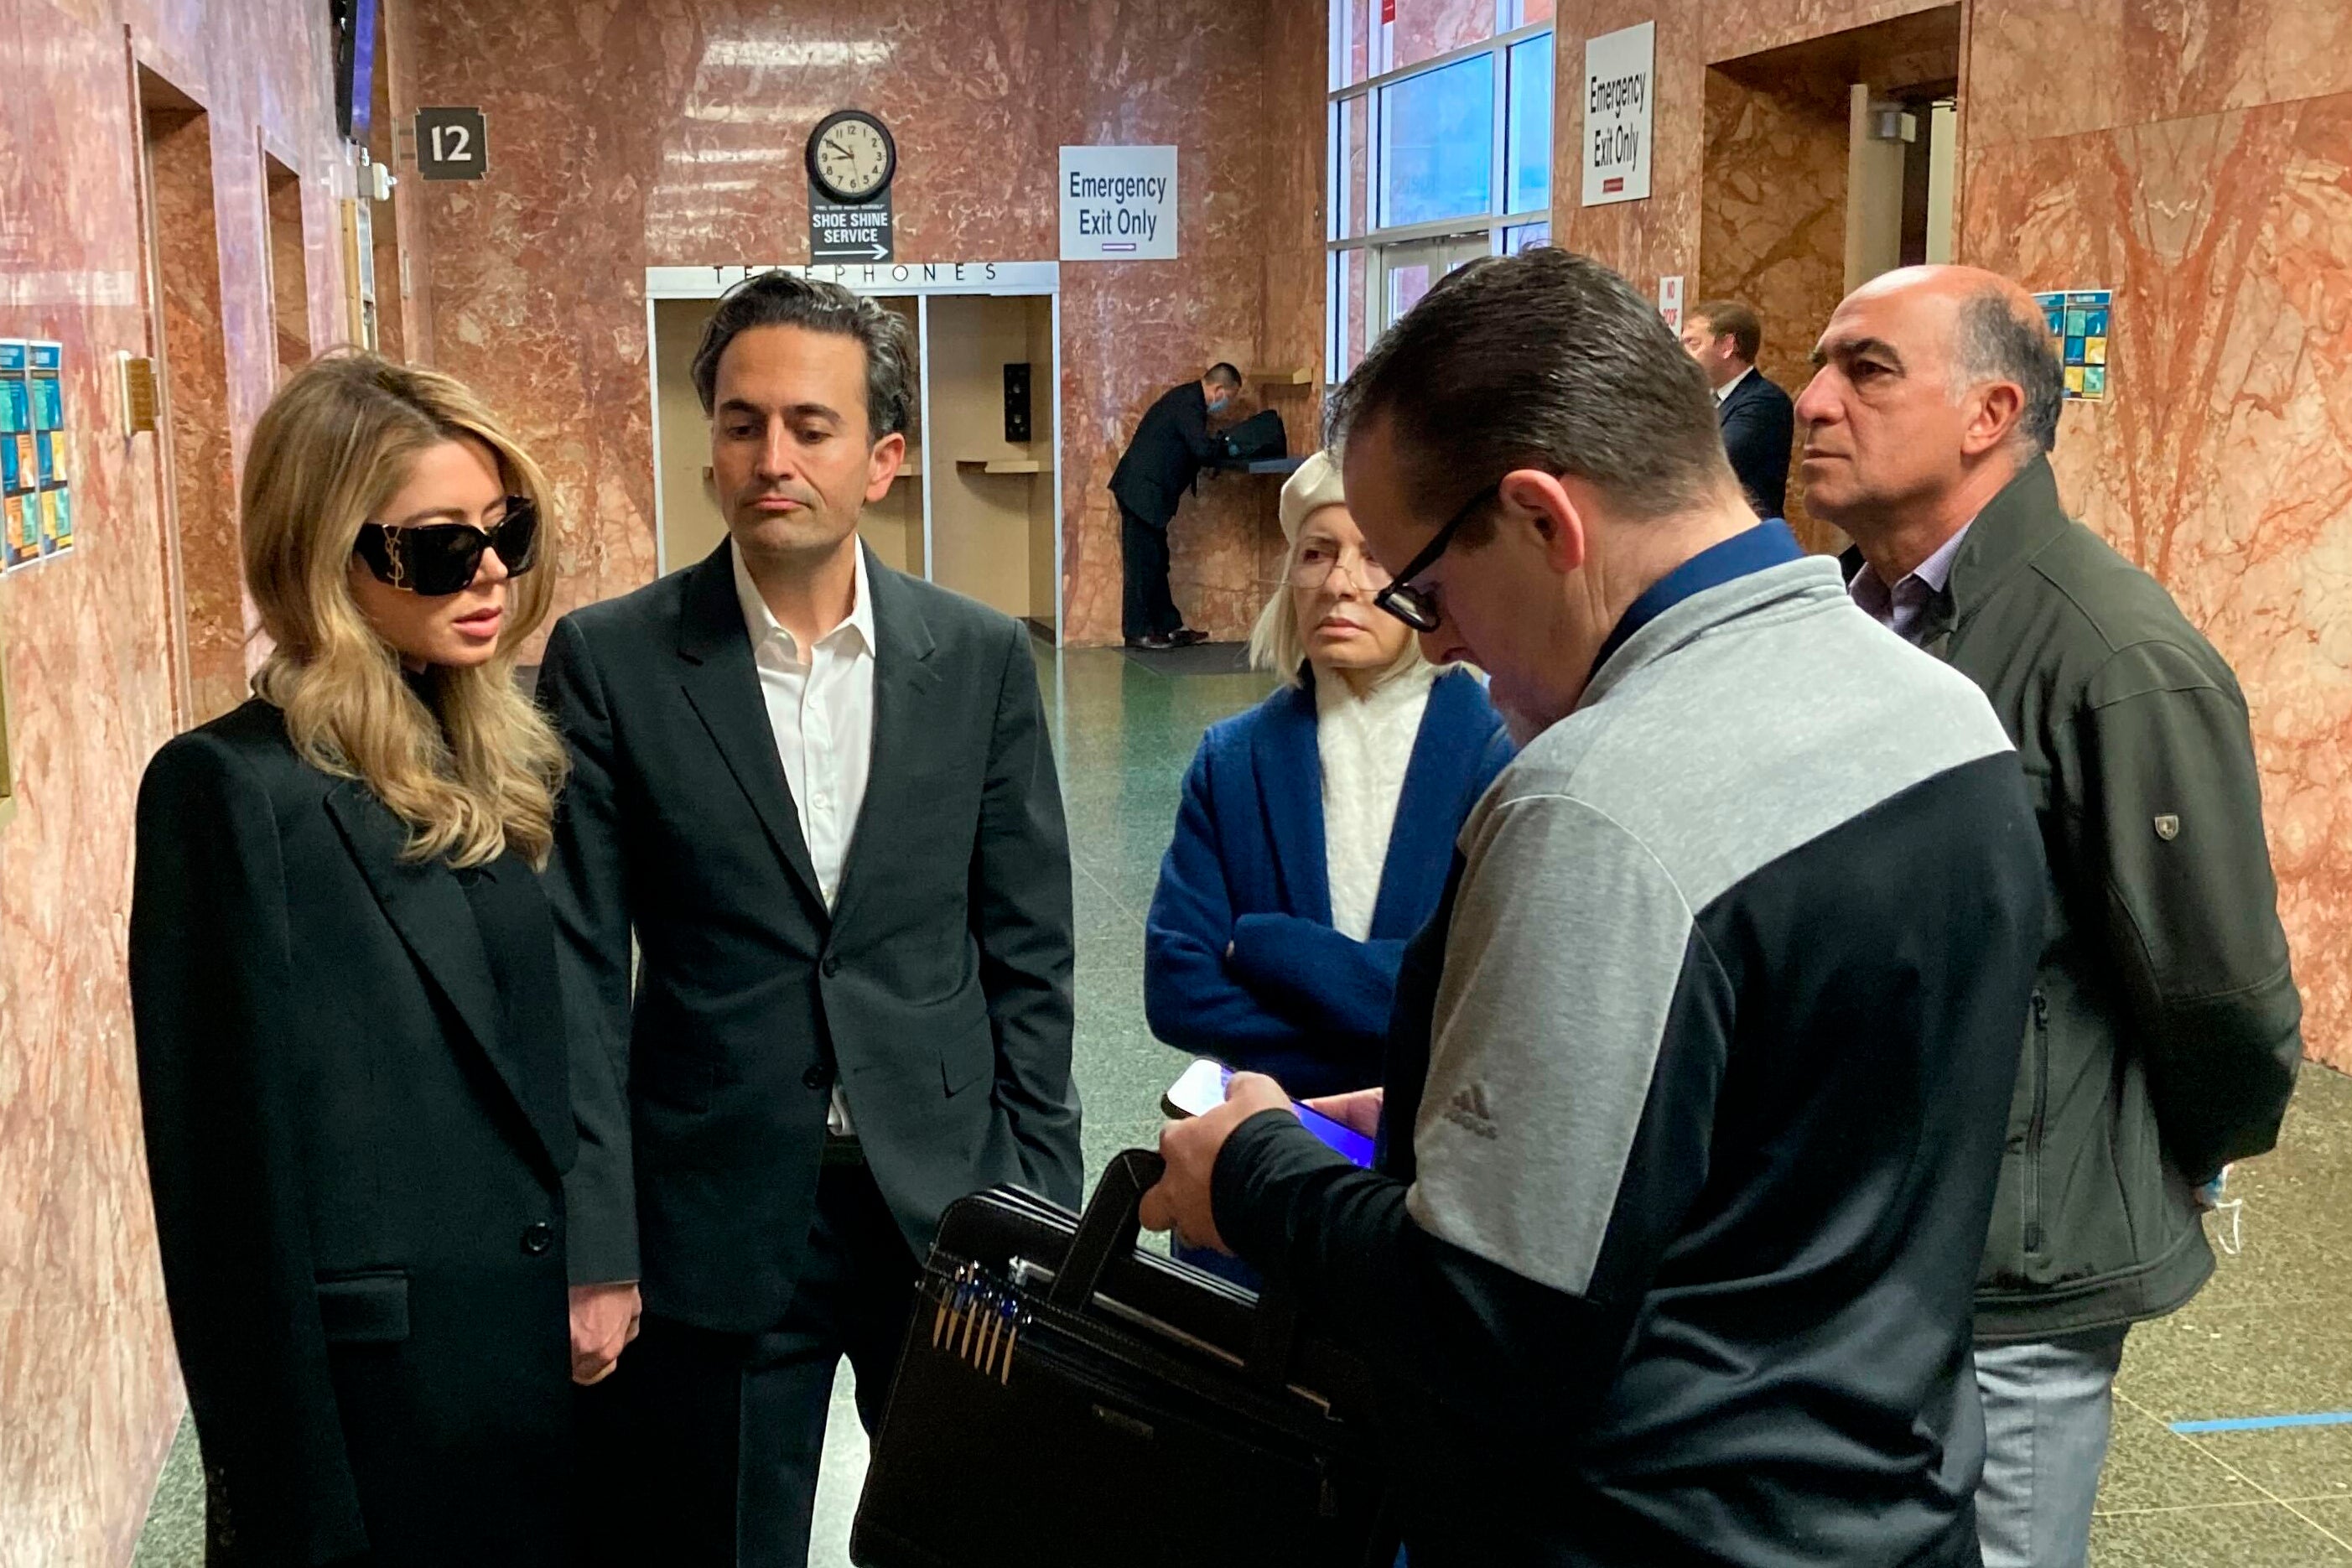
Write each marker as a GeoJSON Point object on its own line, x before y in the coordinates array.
{"type": "Point", "coordinates": [2049, 1405]}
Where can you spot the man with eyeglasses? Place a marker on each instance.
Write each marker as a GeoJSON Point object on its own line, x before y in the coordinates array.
{"type": "Point", "coordinates": [1697, 1078]}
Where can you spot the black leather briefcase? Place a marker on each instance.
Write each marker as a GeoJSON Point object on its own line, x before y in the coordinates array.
{"type": "Point", "coordinates": [1067, 1401]}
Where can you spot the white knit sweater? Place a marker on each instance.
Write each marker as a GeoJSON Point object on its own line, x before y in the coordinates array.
{"type": "Point", "coordinates": [1365, 744]}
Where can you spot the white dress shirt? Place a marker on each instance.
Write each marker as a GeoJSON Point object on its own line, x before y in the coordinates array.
{"type": "Point", "coordinates": [1365, 744]}
{"type": "Point", "coordinates": [821, 711]}
{"type": "Point", "coordinates": [1723, 393]}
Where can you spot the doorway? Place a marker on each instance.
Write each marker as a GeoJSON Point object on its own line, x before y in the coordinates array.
{"type": "Point", "coordinates": [1826, 162]}
{"type": "Point", "coordinates": [977, 505]}
{"type": "Point", "coordinates": [993, 495]}
{"type": "Point", "coordinates": [204, 583]}
{"type": "Point", "coordinates": [289, 271]}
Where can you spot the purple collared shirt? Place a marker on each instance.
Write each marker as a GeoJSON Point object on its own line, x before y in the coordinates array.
{"type": "Point", "coordinates": [1899, 608]}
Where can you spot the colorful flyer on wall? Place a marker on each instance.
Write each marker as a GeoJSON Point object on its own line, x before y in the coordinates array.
{"type": "Point", "coordinates": [19, 467]}
{"type": "Point", "coordinates": [2079, 320]}
{"type": "Point", "coordinates": [57, 521]}
{"type": "Point", "coordinates": [53, 520]}
{"type": "Point", "coordinates": [20, 540]}
{"type": "Point", "coordinates": [15, 418]}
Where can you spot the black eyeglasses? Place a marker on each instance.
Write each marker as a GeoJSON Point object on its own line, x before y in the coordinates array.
{"type": "Point", "coordinates": [442, 557]}
{"type": "Point", "coordinates": [1417, 607]}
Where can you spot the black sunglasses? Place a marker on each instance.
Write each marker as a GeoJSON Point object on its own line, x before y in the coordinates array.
{"type": "Point", "coordinates": [442, 557]}
{"type": "Point", "coordinates": [1417, 607]}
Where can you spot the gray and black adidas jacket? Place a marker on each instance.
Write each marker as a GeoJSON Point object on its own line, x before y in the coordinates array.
{"type": "Point", "coordinates": [1694, 1120]}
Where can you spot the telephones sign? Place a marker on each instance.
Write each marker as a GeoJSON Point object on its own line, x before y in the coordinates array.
{"type": "Point", "coordinates": [452, 143]}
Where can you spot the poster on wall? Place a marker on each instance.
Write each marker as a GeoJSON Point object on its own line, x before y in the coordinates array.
{"type": "Point", "coordinates": [1619, 71]}
{"type": "Point", "coordinates": [19, 469]}
{"type": "Point", "coordinates": [1119, 203]}
{"type": "Point", "coordinates": [2079, 320]}
{"type": "Point", "coordinates": [1669, 302]}
{"type": "Point", "coordinates": [36, 476]}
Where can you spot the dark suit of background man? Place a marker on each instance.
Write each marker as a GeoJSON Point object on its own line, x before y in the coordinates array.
{"type": "Point", "coordinates": [1170, 445]}
{"type": "Point", "coordinates": [820, 795]}
{"type": "Point", "coordinates": [1760, 422]}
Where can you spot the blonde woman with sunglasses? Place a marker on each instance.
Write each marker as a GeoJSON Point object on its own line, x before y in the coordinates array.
{"type": "Point", "coordinates": [351, 1042]}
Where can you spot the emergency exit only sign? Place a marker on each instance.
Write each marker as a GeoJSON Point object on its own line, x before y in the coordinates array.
{"type": "Point", "coordinates": [1618, 73]}
{"type": "Point", "coordinates": [1119, 203]}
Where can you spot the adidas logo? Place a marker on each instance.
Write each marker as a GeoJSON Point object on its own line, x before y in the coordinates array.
{"type": "Point", "coordinates": [1468, 1111]}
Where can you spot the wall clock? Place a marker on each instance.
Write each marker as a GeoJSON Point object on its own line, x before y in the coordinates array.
{"type": "Point", "coordinates": [851, 157]}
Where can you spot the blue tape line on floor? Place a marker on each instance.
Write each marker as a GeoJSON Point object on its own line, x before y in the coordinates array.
{"type": "Point", "coordinates": [2263, 1423]}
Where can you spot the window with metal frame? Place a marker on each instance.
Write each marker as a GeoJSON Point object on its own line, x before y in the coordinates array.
{"type": "Point", "coordinates": [1440, 121]}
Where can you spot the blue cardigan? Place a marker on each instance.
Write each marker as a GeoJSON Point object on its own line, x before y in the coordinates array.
{"type": "Point", "coordinates": [1298, 999]}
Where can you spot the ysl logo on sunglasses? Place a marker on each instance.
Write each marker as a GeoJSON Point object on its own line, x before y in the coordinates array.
{"type": "Point", "coordinates": [442, 557]}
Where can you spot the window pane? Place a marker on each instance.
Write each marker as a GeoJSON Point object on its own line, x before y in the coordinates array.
{"type": "Point", "coordinates": [1424, 29]}
{"type": "Point", "coordinates": [1411, 269]}
{"type": "Point", "coordinates": [1354, 302]}
{"type": "Point", "coordinates": [1437, 144]}
{"type": "Point", "coordinates": [1408, 281]}
{"type": "Point", "coordinates": [1351, 42]}
{"type": "Point", "coordinates": [1529, 181]}
{"type": "Point", "coordinates": [1525, 237]}
{"type": "Point", "coordinates": [1351, 214]}
{"type": "Point", "coordinates": [1530, 12]}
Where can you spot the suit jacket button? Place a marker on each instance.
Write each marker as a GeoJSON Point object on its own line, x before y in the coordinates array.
{"type": "Point", "coordinates": [538, 1236]}
{"type": "Point", "coordinates": [818, 1077]}
{"type": "Point", "coordinates": [832, 965]}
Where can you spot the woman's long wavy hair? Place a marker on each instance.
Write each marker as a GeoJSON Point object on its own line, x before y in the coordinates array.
{"type": "Point", "coordinates": [333, 447]}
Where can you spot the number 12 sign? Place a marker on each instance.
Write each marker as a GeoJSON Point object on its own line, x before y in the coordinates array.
{"type": "Point", "coordinates": [452, 143]}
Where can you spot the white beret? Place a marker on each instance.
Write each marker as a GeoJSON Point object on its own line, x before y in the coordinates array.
{"type": "Point", "coordinates": [1315, 485]}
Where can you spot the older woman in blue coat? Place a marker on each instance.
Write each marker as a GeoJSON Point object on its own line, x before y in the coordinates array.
{"type": "Point", "coordinates": [1317, 827]}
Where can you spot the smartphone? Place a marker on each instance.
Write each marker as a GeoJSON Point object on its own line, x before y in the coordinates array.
{"type": "Point", "coordinates": [1203, 1088]}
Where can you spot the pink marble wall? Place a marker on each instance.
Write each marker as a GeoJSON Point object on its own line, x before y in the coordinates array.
{"type": "Point", "coordinates": [89, 1397]}
{"type": "Point", "coordinates": [1297, 275]}
{"type": "Point", "coordinates": [1773, 218]}
{"type": "Point", "coordinates": [1649, 239]}
{"type": "Point", "coordinates": [182, 163]}
{"type": "Point", "coordinates": [411, 285]}
{"type": "Point", "coordinates": [1191, 73]}
{"type": "Point", "coordinates": [670, 132]}
{"type": "Point", "coordinates": [1427, 29]}
{"type": "Point", "coordinates": [2203, 179]}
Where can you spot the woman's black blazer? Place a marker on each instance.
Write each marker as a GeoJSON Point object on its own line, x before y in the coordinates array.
{"type": "Point", "coordinates": [356, 1136]}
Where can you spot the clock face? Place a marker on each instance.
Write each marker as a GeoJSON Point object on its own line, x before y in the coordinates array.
{"type": "Point", "coordinates": [850, 156]}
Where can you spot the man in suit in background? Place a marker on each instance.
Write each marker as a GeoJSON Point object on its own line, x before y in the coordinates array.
{"type": "Point", "coordinates": [1760, 422]}
{"type": "Point", "coordinates": [1170, 445]}
{"type": "Point", "coordinates": [819, 795]}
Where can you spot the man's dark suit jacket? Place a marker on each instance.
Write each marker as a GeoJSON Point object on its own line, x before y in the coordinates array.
{"type": "Point", "coordinates": [938, 986]}
{"type": "Point", "coordinates": [1759, 429]}
{"type": "Point", "coordinates": [1171, 445]}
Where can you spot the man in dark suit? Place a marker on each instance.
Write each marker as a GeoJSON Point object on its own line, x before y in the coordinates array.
{"type": "Point", "coordinates": [1170, 445]}
{"type": "Point", "coordinates": [1760, 422]}
{"type": "Point", "coordinates": [820, 797]}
